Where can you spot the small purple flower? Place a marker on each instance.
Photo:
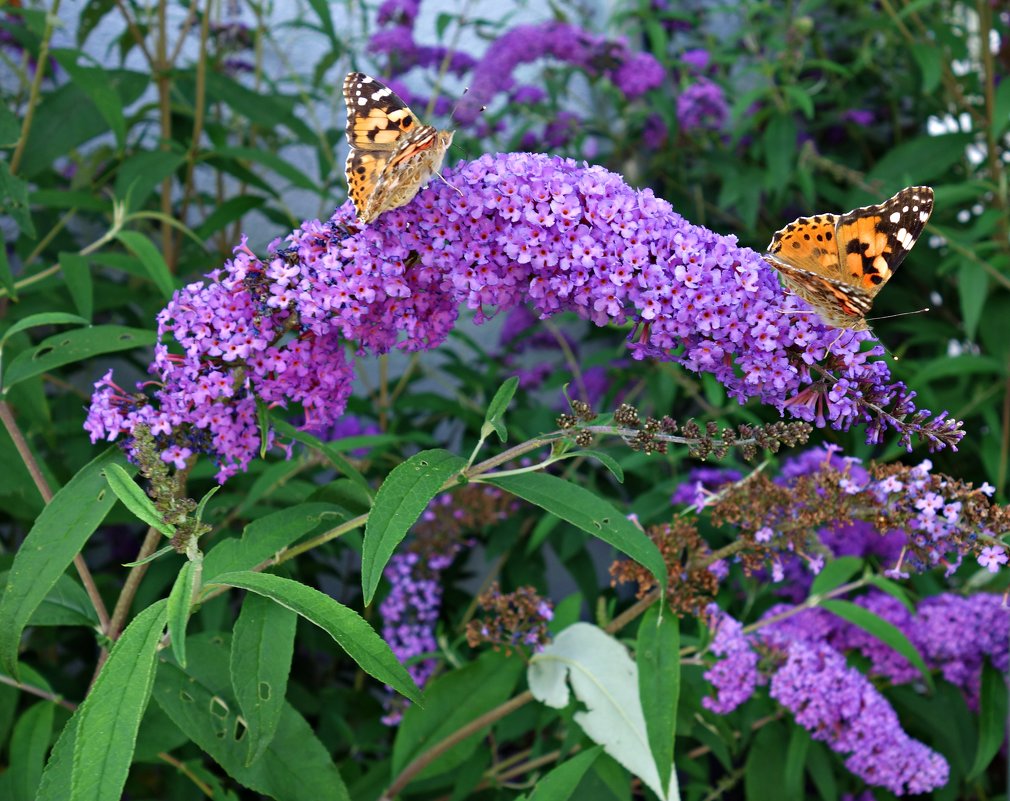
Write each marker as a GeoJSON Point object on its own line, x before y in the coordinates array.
{"type": "Point", "coordinates": [992, 557]}
{"type": "Point", "coordinates": [697, 59]}
{"type": "Point", "coordinates": [702, 106]}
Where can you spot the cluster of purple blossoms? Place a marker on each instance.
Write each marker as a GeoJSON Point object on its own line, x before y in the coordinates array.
{"type": "Point", "coordinates": [802, 658]}
{"type": "Point", "coordinates": [702, 106]}
{"type": "Point", "coordinates": [502, 230]}
{"type": "Point", "coordinates": [633, 73]}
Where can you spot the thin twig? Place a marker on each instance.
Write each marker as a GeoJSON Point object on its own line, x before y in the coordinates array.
{"type": "Point", "coordinates": [33, 95]}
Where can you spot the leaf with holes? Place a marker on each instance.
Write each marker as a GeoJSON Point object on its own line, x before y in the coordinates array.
{"type": "Point", "coordinates": [261, 650]}
{"type": "Point", "coordinates": [74, 346]}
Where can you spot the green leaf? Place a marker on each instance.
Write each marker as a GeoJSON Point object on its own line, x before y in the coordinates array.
{"type": "Point", "coordinates": [10, 127]}
{"type": "Point", "coordinates": [930, 59]}
{"type": "Point", "coordinates": [156, 555]}
{"type": "Point", "coordinates": [109, 718]}
{"type": "Point", "coordinates": [886, 632]}
{"type": "Point", "coordinates": [1001, 109]}
{"type": "Point", "coordinates": [796, 759]}
{"type": "Point", "coordinates": [657, 654]}
{"type": "Point", "coordinates": [261, 650]}
{"type": "Point", "coordinates": [295, 767]}
{"type": "Point", "coordinates": [560, 783]}
{"type": "Point", "coordinates": [180, 602]}
{"type": "Point", "coordinates": [920, 160]}
{"type": "Point", "coordinates": [59, 533]}
{"type": "Point", "coordinates": [94, 12]}
{"type": "Point", "coordinates": [264, 537]}
{"type": "Point", "coordinates": [285, 429]}
{"type": "Point", "coordinates": [484, 684]}
{"type": "Point", "coordinates": [74, 346]}
{"type": "Point", "coordinates": [835, 573]}
{"type": "Point", "coordinates": [273, 162]}
{"type": "Point", "coordinates": [28, 747]}
{"type": "Point", "coordinates": [973, 290]}
{"type": "Point", "coordinates": [764, 769]}
{"type": "Point", "coordinates": [344, 625]}
{"type": "Point", "coordinates": [499, 403]}
{"type": "Point", "coordinates": [780, 149]}
{"type": "Point", "coordinates": [142, 172]}
{"type": "Point", "coordinates": [66, 604]}
{"type": "Point", "coordinates": [322, 9]}
{"type": "Point", "coordinates": [42, 318]}
{"type": "Point", "coordinates": [6, 276]}
{"type": "Point", "coordinates": [93, 82]}
{"type": "Point", "coordinates": [77, 276]}
{"type": "Point", "coordinates": [135, 499]}
{"type": "Point", "coordinates": [587, 511]}
{"type": "Point", "coordinates": [399, 502]}
{"type": "Point", "coordinates": [144, 249]}
{"type": "Point", "coordinates": [605, 459]}
{"type": "Point", "coordinates": [992, 718]}
{"type": "Point", "coordinates": [225, 213]}
{"type": "Point", "coordinates": [14, 200]}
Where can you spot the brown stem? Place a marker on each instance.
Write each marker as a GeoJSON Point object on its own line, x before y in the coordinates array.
{"type": "Point", "coordinates": [163, 81]}
{"type": "Point", "coordinates": [199, 102]}
{"type": "Point", "coordinates": [138, 37]}
{"type": "Point", "coordinates": [474, 726]}
{"type": "Point", "coordinates": [33, 95]}
{"type": "Point", "coordinates": [35, 470]}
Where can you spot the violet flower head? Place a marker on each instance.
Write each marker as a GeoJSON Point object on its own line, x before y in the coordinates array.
{"type": "Point", "coordinates": [735, 676]}
{"type": "Point", "coordinates": [702, 106]}
{"type": "Point", "coordinates": [502, 230]}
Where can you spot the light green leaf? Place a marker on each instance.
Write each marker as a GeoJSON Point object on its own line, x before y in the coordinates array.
{"type": "Point", "coordinates": [59, 533]}
{"type": "Point", "coordinates": [587, 511]}
{"type": "Point", "coordinates": [109, 718]}
{"type": "Point", "coordinates": [180, 601]}
{"type": "Point", "coordinates": [973, 290]}
{"type": "Point", "coordinates": [886, 632]}
{"type": "Point", "coordinates": [144, 249]}
{"type": "Point", "coordinates": [295, 767]}
{"type": "Point", "coordinates": [135, 499]}
{"type": "Point", "coordinates": [74, 346]}
{"type": "Point", "coordinates": [493, 418]}
{"type": "Point", "coordinates": [657, 654]}
{"type": "Point", "coordinates": [261, 650]}
{"type": "Point", "coordinates": [605, 681]}
{"type": "Point", "coordinates": [401, 499]}
{"type": "Point", "coordinates": [344, 625]}
{"type": "Point", "coordinates": [485, 684]}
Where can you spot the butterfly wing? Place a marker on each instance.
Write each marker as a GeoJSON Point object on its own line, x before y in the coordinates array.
{"type": "Point", "coordinates": [874, 240]}
{"type": "Point", "coordinates": [377, 123]}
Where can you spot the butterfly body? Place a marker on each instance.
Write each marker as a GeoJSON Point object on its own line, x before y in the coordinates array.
{"type": "Point", "coordinates": [392, 154]}
{"type": "Point", "coordinates": [839, 262]}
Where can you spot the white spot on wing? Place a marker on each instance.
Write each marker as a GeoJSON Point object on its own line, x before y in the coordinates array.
{"type": "Point", "coordinates": [924, 215]}
{"type": "Point", "coordinates": [896, 217]}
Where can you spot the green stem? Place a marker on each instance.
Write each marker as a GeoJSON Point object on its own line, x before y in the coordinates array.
{"type": "Point", "coordinates": [33, 95]}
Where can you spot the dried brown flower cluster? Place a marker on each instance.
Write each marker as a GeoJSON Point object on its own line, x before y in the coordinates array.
{"type": "Point", "coordinates": [693, 579]}
{"type": "Point", "coordinates": [512, 619]}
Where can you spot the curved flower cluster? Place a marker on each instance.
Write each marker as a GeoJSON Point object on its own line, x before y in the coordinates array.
{"type": "Point", "coordinates": [505, 229]}
{"type": "Point", "coordinates": [805, 667]}
{"type": "Point", "coordinates": [633, 73]}
{"type": "Point", "coordinates": [702, 106]}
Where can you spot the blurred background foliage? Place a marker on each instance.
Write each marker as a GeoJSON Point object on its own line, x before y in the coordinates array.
{"type": "Point", "coordinates": [140, 141]}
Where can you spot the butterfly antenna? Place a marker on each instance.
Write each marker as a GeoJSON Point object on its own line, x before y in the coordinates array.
{"type": "Point", "coordinates": [454, 188]}
{"type": "Point", "coordinates": [900, 314]}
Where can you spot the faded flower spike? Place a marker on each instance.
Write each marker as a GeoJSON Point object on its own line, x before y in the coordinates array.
{"type": "Point", "coordinates": [505, 229]}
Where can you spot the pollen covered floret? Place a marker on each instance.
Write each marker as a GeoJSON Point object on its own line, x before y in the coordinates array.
{"type": "Point", "coordinates": [502, 230]}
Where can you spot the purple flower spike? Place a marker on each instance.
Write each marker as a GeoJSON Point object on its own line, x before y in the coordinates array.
{"type": "Point", "coordinates": [506, 229]}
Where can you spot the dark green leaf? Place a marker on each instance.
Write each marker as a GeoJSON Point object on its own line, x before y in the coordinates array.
{"type": "Point", "coordinates": [77, 275]}
{"type": "Point", "coordinates": [344, 625]}
{"type": "Point", "coordinates": [606, 460]}
{"type": "Point", "coordinates": [261, 650]}
{"type": "Point", "coordinates": [74, 346]}
{"type": "Point", "coordinates": [264, 537]}
{"type": "Point", "coordinates": [28, 747]}
{"type": "Point", "coordinates": [992, 718]}
{"type": "Point", "coordinates": [399, 502]}
{"type": "Point", "coordinates": [273, 162]}
{"type": "Point", "coordinates": [109, 718]}
{"type": "Point", "coordinates": [930, 59]}
{"type": "Point", "coordinates": [59, 533]}
{"type": "Point", "coordinates": [322, 9]}
{"type": "Point", "coordinates": [225, 213]}
{"type": "Point", "coordinates": [780, 149]}
{"type": "Point", "coordinates": [6, 276]}
{"type": "Point", "coordinates": [180, 601]}
{"type": "Point", "coordinates": [657, 655]}
{"type": "Point", "coordinates": [285, 429]}
{"type": "Point", "coordinates": [94, 12]}
{"type": "Point", "coordinates": [139, 174]}
{"type": "Point", "coordinates": [499, 403]}
{"type": "Point", "coordinates": [135, 499]}
{"type": "Point", "coordinates": [973, 289]}
{"type": "Point", "coordinates": [14, 200]}
{"type": "Point", "coordinates": [154, 264]}
{"type": "Point", "coordinates": [886, 632]}
{"type": "Point", "coordinates": [66, 604]}
{"type": "Point", "coordinates": [484, 684]}
{"type": "Point", "coordinates": [560, 783]}
{"type": "Point", "coordinates": [10, 127]}
{"type": "Point", "coordinates": [589, 512]}
{"type": "Point", "coordinates": [95, 85]}
{"type": "Point", "coordinates": [295, 767]}
{"type": "Point", "coordinates": [796, 760]}
{"type": "Point", "coordinates": [920, 160]}
{"type": "Point", "coordinates": [764, 769]}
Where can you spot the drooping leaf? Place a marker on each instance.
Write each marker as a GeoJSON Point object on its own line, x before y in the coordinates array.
{"type": "Point", "coordinates": [657, 655]}
{"type": "Point", "coordinates": [135, 499]}
{"type": "Point", "coordinates": [344, 625]}
{"type": "Point", "coordinates": [180, 601]}
{"type": "Point", "coordinates": [605, 681]}
{"type": "Point", "coordinates": [589, 512]}
{"type": "Point", "coordinates": [560, 783]}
